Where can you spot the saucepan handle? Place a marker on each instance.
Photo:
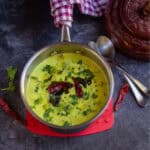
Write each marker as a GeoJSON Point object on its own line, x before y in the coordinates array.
{"type": "Point", "coordinates": [65, 34]}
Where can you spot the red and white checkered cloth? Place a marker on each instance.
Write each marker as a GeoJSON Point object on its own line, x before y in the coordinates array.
{"type": "Point", "coordinates": [62, 10]}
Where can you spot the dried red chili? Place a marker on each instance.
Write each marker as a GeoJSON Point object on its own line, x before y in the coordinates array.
{"type": "Point", "coordinates": [78, 88]}
{"type": "Point", "coordinates": [122, 93]}
{"type": "Point", "coordinates": [59, 87]}
{"type": "Point", "coordinates": [10, 112]}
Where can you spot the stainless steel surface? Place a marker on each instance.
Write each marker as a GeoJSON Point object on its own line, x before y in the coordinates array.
{"type": "Point", "coordinates": [65, 34]}
{"type": "Point", "coordinates": [104, 46]}
{"type": "Point", "coordinates": [139, 97]}
{"type": "Point", "coordinates": [65, 47]}
{"type": "Point", "coordinates": [140, 85]}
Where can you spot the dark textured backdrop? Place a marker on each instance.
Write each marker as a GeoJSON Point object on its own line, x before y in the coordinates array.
{"type": "Point", "coordinates": [25, 27]}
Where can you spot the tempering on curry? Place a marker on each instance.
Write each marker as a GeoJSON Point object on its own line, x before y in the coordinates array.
{"type": "Point", "coordinates": [67, 89]}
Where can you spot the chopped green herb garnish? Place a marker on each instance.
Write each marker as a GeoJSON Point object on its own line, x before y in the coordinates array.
{"type": "Point", "coordinates": [66, 78]}
{"type": "Point", "coordinates": [78, 108]}
{"type": "Point", "coordinates": [86, 112]}
{"type": "Point", "coordinates": [69, 74]}
{"type": "Point", "coordinates": [74, 99]}
{"type": "Point", "coordinates": [62, 113]}
{"type": "Point", "coordinates": [80, 62]}
{"type": "Point", "coordinates": [48, 68]}
{"type": "Point", "coordinates": [11, 72]}
{"type": "Point", "coordinates": [65, 65]}
{"type": "Point", "coordinates": [50, 119]}
{"type": "Point", "coordinates": [37, 101]}
{"type": "Point", "coordinates": [11, 87]}
{"type": "Point", "coordinates": [59, 71]}
{"type": "Point", "coordinates": [67, 107]}
{"type": "Point", "coordinates": [86, 96]}
{"type": "Point", "coordinates": [66, 124]}
{"type": "Point", "coordinates": [36, 89]}
{"type": "Point", "coordinates": [102, 83]}
{"type": "Point", "coordinates": [87, 73]}
{"type": "Point", "coordinates": [34, 78]}
{"type": "Point", "coordinates": [47, 112]}
{"type": "Point", "coordinates": [33, 107]}
{"type": "Point", "coordinates": [65, 111]}
{"type": "Point", "coordinates": [94, 95]}
{"type": "Point", "coordinates": [48, 79]}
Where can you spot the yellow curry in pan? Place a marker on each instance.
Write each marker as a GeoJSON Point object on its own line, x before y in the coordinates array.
{"type": "Point", "coordinates": [67, 89]}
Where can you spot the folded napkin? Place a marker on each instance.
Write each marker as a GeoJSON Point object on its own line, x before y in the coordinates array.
{"type": "Point", "coordinates": [104, 122]}
{"type": "Point", "coordinates": [62, 10]}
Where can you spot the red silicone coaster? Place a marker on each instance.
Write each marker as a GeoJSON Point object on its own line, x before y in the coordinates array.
{"type": "Point", "coordinates": [103, 123]}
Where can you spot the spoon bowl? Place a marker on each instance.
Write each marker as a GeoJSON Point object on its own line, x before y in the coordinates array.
{"type": "Point", "coordinates": [105, 47]}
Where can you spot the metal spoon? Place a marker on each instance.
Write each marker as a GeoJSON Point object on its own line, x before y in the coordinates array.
{"type": "Point", "coordinates": [138, 96]}
{"type": "Point", "coordinates": [105, 47]}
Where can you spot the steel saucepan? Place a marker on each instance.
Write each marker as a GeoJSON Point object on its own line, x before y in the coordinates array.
{"type": "Point", "coordinates": [65, 46]}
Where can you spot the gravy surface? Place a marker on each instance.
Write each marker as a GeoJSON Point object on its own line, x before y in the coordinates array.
{"type": "Point", "coordinates": [71, 109]}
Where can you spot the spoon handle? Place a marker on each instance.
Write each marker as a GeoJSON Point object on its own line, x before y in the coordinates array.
{"type": "Point", "coordinates": [138, 96]}
{"type": "Point", "coordinates": [140, 85]}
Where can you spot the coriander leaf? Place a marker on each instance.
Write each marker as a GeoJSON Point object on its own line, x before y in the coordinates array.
{"type": "Point", "coordinates": [65, 110]}
{"type": "Point", "coordinates": [69, 74]}
{"type": "Point", "coordinates": [37, 101]}
{"type": "Point", "coordinates": [47, 112]}
{"type": "Point", "coordinates": [87, 73]}
{"type": "Point", "coordinates": [34, 78]}
{"type": "Point", "coordinates": [36, 89]}
{"type": "Point", "coordinates": [11, 87]}
{"type": "Point", "coordinates": [86, 112]}
{"type": "Point", "coordinates": [94, 95]}
{"type": "Point", "coordinates": [86, 96]}
{"type": "Point", "coordinates": [48, 79]}
{"type": "Point", "coordinates": [74, 99]}
{"type": "Point", "coordinates": [63, 113]}
{"type": "Point", "coordinates": [67, 107]}
{"type": "Point", "coordinates": [79, 62]}
{"type": "Point", "coordinates": [11, 72]}
{"type": "Point", "coordinates": [66, 124]}
{"type": "Point", "coordinates": [48, 68]}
